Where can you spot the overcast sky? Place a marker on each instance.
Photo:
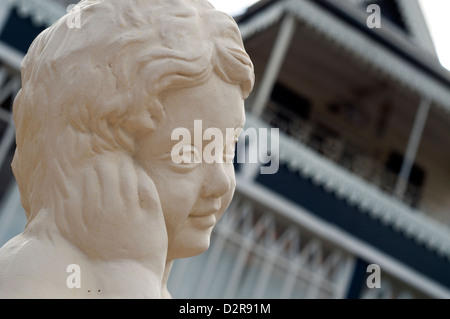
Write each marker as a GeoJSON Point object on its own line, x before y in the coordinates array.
{"type": "Point", "coordinates": [233, 7]}
{"type": "Point", "coordinates": [437, 13]}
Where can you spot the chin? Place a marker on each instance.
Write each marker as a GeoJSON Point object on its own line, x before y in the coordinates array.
{"type": "Point", "coordinates": [192, 244]}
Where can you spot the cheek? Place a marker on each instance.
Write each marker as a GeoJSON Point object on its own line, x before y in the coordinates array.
{"type": "Point", "coordinates": [178, 196]}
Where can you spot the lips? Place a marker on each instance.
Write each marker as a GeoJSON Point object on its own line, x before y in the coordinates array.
{"type": "Point", "coordinates": [204, 213]}
{"type": "Point", "coordinates": [207, 210]}
{"type": "Point", "coordinates": [204, 222]}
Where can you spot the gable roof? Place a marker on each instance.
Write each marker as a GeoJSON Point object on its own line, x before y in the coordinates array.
{"type": "Point", "coordinates": [387, 50]}
{"type": "Point", "coordinates": [401, 15]}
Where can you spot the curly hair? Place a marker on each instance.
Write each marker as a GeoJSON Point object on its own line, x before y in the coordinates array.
{"type": "Point", "coordinates": [89, 91]}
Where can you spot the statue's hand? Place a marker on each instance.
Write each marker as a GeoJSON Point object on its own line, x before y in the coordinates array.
{"type": "Point", "coordinates": [135, 225]}
{"type": "Point", "coordinates": [150, 204]}
{"type": "Point", "coordinates": [122, 212]}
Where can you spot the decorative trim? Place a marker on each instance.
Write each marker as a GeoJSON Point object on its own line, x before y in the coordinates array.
{"type": "Point", "coordinates": [412, 17]}
{"type": "Point", "coordinates": [41, 12]}
{"type": "Point", "coordinates": [417, 25]}
{"type": "Point", "coordinates": [367, 198]}
{"type": "Point", "coordinates": [324, 230]}
{"type": "Point", "coordinates": [366, 50]}
{"type": "Point", "coordinates": [263, 21]}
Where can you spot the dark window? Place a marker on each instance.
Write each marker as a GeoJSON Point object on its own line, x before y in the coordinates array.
{"type": "Point", "coordinates": [416, 178]}
{"type": "Point", "coordinates": [394, 164]}
{"type": "Point", "coordinates": [291, 101]}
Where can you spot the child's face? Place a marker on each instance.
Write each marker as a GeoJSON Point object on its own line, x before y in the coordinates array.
{"type": "Point", "coordinates": [193, 195]}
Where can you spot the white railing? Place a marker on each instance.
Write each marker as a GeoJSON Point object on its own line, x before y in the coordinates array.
{"type": "Point", "coordinates": [358, 192]}
{"type": "Point", "coordinates": [267, 247]}
{"type": "Point", "coordinates": [254, 254]}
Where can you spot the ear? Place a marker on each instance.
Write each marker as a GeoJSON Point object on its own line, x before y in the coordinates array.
{"type": "Point", "coordinates": [145, 116]}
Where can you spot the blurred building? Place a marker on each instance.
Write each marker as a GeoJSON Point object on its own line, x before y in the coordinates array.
{"type": "Point", "coordinates": [363, 173]}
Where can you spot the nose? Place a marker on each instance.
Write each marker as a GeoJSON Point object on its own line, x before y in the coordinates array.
{"type": "Point", "coordinates": [217, 182]}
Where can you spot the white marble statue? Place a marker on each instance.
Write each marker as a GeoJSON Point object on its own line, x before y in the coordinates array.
{"type": "Point", "coordinates": [108, 208]}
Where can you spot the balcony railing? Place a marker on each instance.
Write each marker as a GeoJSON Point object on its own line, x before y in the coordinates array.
{"type": "Point", "coordinates": [319, 139]}
{"type": "Point", "coordinates": [266, 248]}
{"type": "Point", "coordinates": [358, 192]}
{"type": "Point", "coordinates": [255, 255]}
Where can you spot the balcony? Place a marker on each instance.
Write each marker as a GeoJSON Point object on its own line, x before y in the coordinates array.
{"type": "Point", "coordinates": [330, 145]}
{"type": "Point", "coordinates": [371, 103]}
{"type": "Point", "coordinates": [258, 250]}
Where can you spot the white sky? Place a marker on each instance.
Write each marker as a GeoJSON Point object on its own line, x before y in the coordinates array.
{"type": "Point", "coordinates": [437, 14]}
{"type": "Point", "coordinates": [232, 7]}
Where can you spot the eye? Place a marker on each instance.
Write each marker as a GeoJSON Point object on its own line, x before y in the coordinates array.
{"type": "Point", "coordinates": [188, 157]}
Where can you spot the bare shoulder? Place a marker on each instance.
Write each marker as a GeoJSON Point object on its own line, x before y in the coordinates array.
{"type": "Point", "coordinates": [9, 252]}
{"type": "Point", "coordinates": [25, 269]}
{"type": "Point", "coordinates": [12, 264]}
